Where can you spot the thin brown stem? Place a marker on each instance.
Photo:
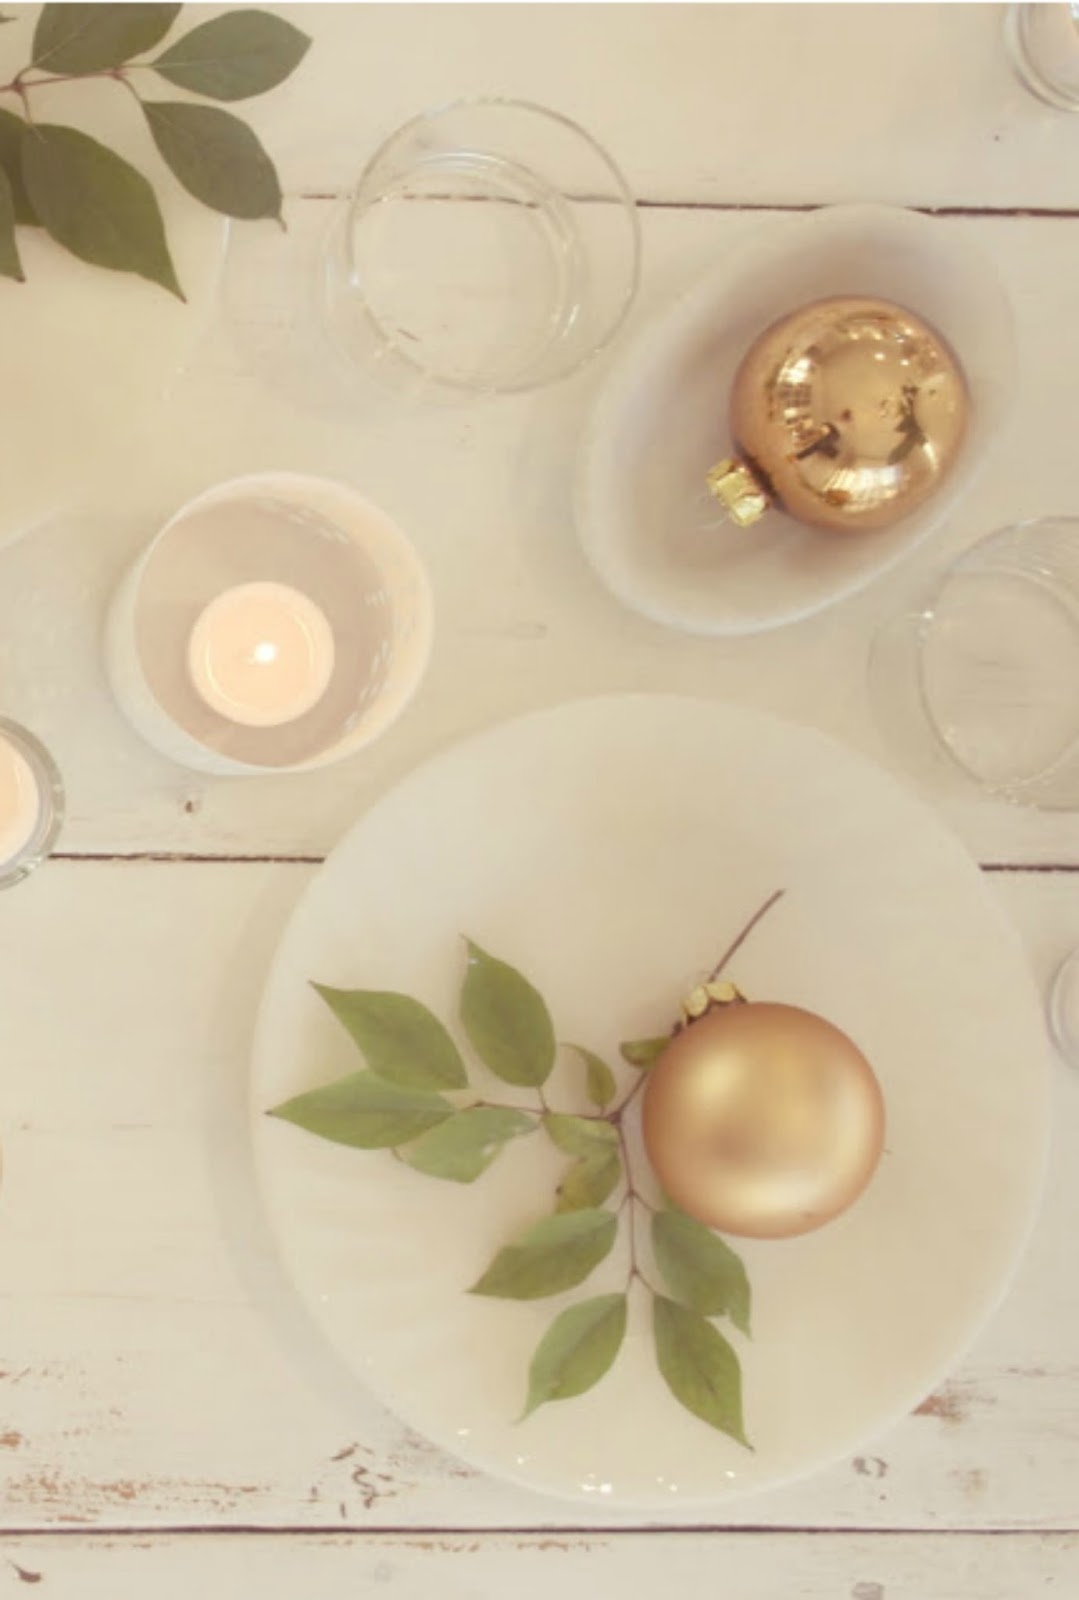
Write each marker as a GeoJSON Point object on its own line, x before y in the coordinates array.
{"type": "Point", "coordinates": [628, 1198]}
{"type": "Point", "coordinates": [25, 99]}
{"type": "Point", "coordinates": [632, 1198]}
{"type": "Point", "coordinates": [21, 83]}
{"type": "Point", "coordinates": [745, 933]}
{"type": "Point", "coordinates": [617, 1114]}
{"type": "Point", "coordinates": [120, 76]}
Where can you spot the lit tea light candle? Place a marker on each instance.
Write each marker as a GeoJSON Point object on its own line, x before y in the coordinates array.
{"type": "Point", "coordinates": [31, 802]}
{"type": "Point", "coordinates": [261, 654]}
{"type": "Point", "coordinates": [20, 803]}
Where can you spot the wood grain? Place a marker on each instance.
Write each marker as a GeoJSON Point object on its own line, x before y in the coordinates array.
{"type": "Point", "coordinates": [915, 105]}
{"type": "Point", "coordinates": [154, 1375]}
{"type": "Point", "coordinates": [493, 499]}
{"type": "Point", "coordinates": [462, 1567]}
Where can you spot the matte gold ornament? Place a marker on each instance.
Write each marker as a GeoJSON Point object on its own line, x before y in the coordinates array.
{"type": "Point", "coordinates": [762, 1120]}
{"type": "Point", "coordinates": [847, 414]}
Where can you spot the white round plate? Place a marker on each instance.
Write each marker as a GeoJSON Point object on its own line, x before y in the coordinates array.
{"type": "Point", "coordinates": [611, 849]}
{"type": "Point", "coordinates": [655, 536]}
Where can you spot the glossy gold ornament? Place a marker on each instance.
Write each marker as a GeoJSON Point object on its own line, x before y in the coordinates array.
{"type": "Point", "coordinates": [848, 414]}
{"type": "Point", "coordinates": [762, 1120]}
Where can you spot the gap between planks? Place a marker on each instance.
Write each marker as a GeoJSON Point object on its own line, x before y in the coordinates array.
{"type": "Point", "coordinates": [1024, 213]}
{"type": "Point", "coordinates": [533, 1535]}
{"type": "Point", "coordinates": [182, 858]}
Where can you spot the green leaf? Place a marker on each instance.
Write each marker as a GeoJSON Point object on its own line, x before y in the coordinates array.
{"type": "Point", "coordinates": [365, 1111]}
{"type": "Point", "coordinates": [701, 1270]}
{"type": "Point", "coordinates": [507, 1021]}
{"type": "Point", "coordinates": [12, 129]}
{"type": "Point", "coordinates": [699, 1367]}
{"type": "Point", "coordinates": [10, 265]}
{"type": "Point", "coordinates": [401, 1040]}
{"type": "Point", "coordinates": [599, 1165]}
{"type": "Point", "coordinates": [577, 1349]}
{"type": "Point", "coordinates": [589, 1182]}
{"type": "Point", "coordinates": [464, 1146]}
{"type": "Point", "coordinates": [93, 38]}
{"type": "Point", "coordinates": [600, 1084]}
{"type": "Point", "coordinates": [95, 204]}
{"type": "Point", "coordinates": [216, 157]}
{"type": "Point", "coordinates": [555, 1254]}
{"type": "Point", "coordinates": [643, 1053]}
{"type": "Point", "coordinates": [580, 1136]}
{"type": "Point", "coordinates": [235, 56]}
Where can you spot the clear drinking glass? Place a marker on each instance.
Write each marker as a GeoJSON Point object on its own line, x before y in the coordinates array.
{"type": "Point", "coordinates": [986, 670]}
{"type": "Point", "coordinates": [489, 246]}
{"type": "Point", "coordinates": [1043, 41]}
{"type": "Point", "coordinates": [31, 803]}
{"type": "Point", "coordinates": [1063, 1009]}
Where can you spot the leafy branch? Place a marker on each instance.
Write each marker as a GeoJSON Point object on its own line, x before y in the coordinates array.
{"type": "Point", "coordinates": [399, 1102]}
{"type": "Point", "coordinates": [93, 202]}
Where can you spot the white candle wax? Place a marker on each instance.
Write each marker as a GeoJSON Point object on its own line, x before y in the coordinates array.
{"type": "Point", "coordinates": [20, 802]}
{"type": "Point", "coordinates": [261, 654]}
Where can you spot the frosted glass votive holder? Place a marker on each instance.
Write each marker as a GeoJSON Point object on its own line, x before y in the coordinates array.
{"type": "Point", "coordinates": [277, 623]}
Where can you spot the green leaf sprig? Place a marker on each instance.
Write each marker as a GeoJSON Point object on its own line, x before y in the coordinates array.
{"type": "Point", "coordinates": [93, 202]}
{"type": "Point", "coordinates": [399, 1102]}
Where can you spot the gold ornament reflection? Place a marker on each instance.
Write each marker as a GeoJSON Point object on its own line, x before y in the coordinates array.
{"type": "Point", "coordinates": [848, 414]}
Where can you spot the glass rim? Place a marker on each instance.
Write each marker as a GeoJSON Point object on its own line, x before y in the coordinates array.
{"type": "Point", "coordinates": [390, 548]}
{"type": "Point", "coordinates": [51, 786]}
{"type": "Point", "coordinates": [1020, 790]}
{"type": "Point", "coordinates": [1066, 1043]}
{"type": "Point", "coordinates": [356, 202]}
{"type": "Point", "coordinates": [1016, 20]}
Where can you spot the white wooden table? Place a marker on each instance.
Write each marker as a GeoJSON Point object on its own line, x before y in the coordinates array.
{"type": "Point", "coordinates": [155, 1435]}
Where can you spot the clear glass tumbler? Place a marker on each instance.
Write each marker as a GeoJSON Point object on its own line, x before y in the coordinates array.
{"type": "Point", "coordinates": [1063, 1009]}
{"type": "Point", "coordinates": [31, 803]}
{"type": "Point", "coordinates": [986, 670]}
{"type": "Point", "coordinates": [489, 246]}
{"type": "Point", "coordinates": [1043, 41]}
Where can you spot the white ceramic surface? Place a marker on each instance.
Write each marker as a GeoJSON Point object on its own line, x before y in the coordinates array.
{"type": "Point", "coordinates": [611, 848]}
{"type": "Point", "coordinates": [651, 530]}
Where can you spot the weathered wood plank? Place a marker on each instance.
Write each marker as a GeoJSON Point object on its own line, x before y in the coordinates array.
{"type": "Point", "coordinates": [912, 105]}
{"type": "Point", "coordinates": [465, 1567]}
{"type": "Point", "coordinates": [142, 1383]}
{"type": "Point", "coordinates": [521, 622]}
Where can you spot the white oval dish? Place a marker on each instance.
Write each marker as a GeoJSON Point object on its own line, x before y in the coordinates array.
{"type": "Point", "coordinates": [610, 849]}
{"type": "Point", "coordinates": [647, 523]}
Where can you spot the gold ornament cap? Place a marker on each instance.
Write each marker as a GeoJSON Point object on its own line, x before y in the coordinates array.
{"type": "Point", "coordinates": [739, 490]}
